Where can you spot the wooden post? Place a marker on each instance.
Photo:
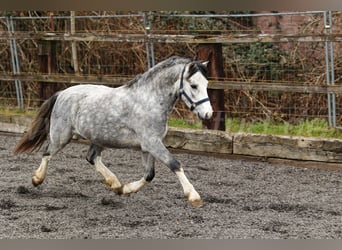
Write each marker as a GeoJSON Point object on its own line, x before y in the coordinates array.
{"type": "Point", "coordinates": [73, 43]}
{"type": "Point", "coordinates": [47, 65]}
{"type": "Point", "coordinates": [213, 53]}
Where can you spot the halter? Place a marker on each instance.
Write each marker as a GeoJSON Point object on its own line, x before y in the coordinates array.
{"type": "Point", "coordinates": [193, 104]}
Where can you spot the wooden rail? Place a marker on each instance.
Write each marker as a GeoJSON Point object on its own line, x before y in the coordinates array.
{"type": "Point", "coordinates": [226, 85]}
{"type": "Point", "coordinates": [67, 78]}
{"type": "Point", "coordinates": [172, 38]}
{"type": "Point", "coordinates": [283, 87]}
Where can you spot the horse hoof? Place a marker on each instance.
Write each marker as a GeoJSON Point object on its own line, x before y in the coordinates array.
{"type": "Point", "coordinates": [36, 181]}
{"type": "Point", "coordinates": [196, 203]}
{"type": "Point", "coordinates": [118, 190]}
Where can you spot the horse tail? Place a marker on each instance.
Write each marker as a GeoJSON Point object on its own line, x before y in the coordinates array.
{"type": "Point", "coordinates": [38, 130]}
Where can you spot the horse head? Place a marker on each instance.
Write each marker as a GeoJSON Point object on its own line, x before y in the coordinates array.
{"type": "Point", "coordinates": [193, 89]}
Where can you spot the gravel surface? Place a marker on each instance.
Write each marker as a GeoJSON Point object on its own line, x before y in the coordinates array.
{"type": "Point", "coordinates": [242, 199]}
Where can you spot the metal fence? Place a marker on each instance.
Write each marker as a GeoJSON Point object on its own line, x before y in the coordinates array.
{"type": "Point", "coordinates": [284, 66]}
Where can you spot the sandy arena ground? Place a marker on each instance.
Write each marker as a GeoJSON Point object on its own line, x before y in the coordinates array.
{"type": "Point", "coordinates": [242, 199]}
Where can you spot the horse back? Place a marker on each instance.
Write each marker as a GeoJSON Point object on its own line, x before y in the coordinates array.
{"type": "Point", "coordinates": [92, 111]}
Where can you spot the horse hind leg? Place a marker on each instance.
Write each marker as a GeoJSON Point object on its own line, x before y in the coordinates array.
{"type": "Point", "coordinates": [56, 144]}
{"type": "Point", "coordinates": [94, 158]}
{"type": "Point", "coordinates": [40, 173]}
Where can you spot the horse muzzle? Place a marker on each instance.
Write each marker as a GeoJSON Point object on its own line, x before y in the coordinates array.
{"type": "Point", "coordinates": [206, 115]}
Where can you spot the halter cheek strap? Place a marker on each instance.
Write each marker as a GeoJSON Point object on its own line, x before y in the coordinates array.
{"type": "Point", "coordinates": [193, 104]}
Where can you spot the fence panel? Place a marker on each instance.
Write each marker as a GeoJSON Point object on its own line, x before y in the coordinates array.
{"type": "Point", "coordinates": [274, 64]}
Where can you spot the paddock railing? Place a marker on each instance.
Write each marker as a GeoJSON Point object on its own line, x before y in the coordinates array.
{"type": "Point", "coordinates": [282, 66]}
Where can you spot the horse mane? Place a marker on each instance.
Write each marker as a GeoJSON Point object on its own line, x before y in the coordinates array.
{"type": "Point", "coordinates": [134, 80]}
{"type": "Point", "coordinates": [151, 73]}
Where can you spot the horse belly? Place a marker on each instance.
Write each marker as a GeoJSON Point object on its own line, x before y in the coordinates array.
{"type": "Point", "coordinates": [119, 138]}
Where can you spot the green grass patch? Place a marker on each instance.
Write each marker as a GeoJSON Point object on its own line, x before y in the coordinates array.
{"type": "Point", "coordinates": [311, 128]}
{"type": "Point", "coordinates": [16, 111]}
{"type": "Point", "coordinates": [183, 123]}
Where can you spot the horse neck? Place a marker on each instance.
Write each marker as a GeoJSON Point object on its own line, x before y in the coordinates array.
{"type": "Point", "coordinates": [163, 85]}
{"type": "Point", "coordinates": [166, 86]}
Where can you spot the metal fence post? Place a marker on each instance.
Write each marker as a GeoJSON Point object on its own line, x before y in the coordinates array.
{"type": "Point", "coordinates": [15, 63]}
{"type": "Point", "coordinates": [329, 63]}
{"type": "Point", "coordinates": [148, 43]}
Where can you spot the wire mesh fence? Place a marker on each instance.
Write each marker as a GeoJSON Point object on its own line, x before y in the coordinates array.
{"type": "Point", "coordinates": [265, 48]}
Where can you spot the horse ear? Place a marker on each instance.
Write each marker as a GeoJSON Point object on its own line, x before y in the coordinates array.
{"type": "Point", "coordinates": [205, 63]}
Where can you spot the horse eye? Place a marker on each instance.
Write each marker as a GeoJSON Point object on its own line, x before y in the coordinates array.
{"type": "Point", "coordinates": [193, 86]}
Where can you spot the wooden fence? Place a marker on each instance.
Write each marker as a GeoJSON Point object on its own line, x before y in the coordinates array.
{"type": "Point", "coordinates": [49, 75]}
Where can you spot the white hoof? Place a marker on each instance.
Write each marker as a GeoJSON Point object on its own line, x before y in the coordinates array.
{"type": "Point", "coordinates": [36, 181]}
{"type": "Point", "coordinates": [194, 199]}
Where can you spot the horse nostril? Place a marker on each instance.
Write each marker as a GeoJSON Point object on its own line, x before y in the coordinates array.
{"type": "Point", "coordinates": [208, 115]}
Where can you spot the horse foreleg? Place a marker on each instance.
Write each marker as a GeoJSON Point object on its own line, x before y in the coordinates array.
{"type": "Point", "coordinates": [133, 187]}
{"type": "Point", "coordinates": [159, 151]}
{"type": "Point", "coordinates": [189, 190]}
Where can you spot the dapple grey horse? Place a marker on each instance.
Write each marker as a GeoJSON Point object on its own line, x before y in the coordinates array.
{"type": "Point", "coordinates": [132, 115]}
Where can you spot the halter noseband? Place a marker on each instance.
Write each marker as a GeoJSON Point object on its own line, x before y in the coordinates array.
{"type": "Point", "coordinates": [193, 104]}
